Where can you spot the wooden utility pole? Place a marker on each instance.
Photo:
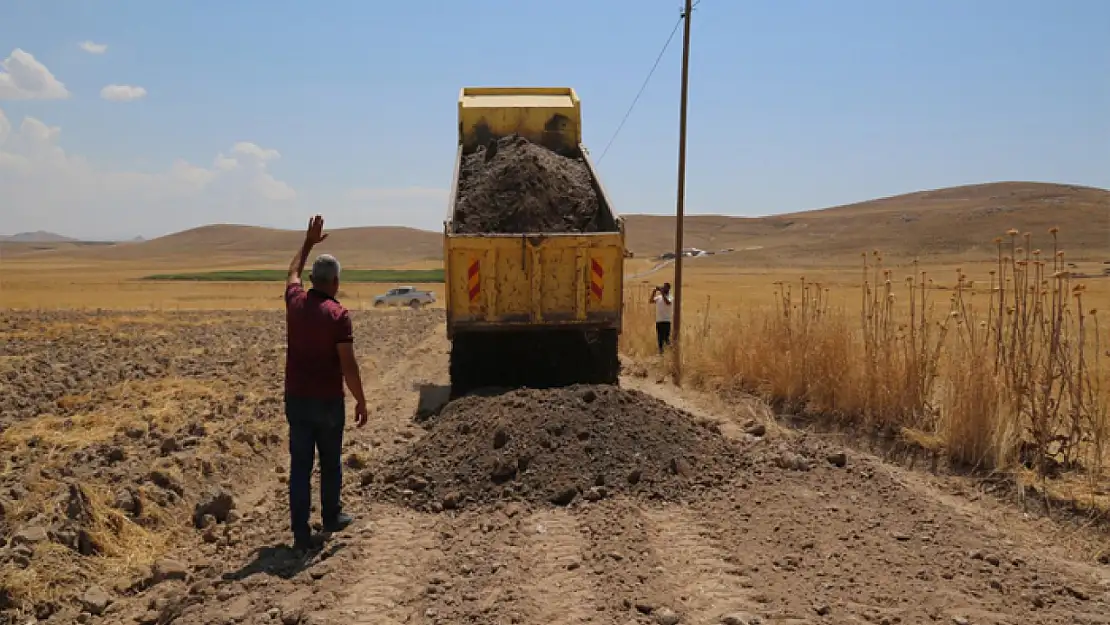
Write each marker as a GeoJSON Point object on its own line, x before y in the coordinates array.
{"type": "Point", "coordinates": [676, 329]}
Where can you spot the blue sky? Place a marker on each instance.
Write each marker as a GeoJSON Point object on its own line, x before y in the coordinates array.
{"type": "Point", "coordinates": [793, 104]}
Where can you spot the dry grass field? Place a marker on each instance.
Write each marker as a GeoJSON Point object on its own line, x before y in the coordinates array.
{"type": "Point", "coordinates": [142, 436]}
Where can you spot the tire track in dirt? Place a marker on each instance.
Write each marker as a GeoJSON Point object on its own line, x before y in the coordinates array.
{"type": "Point", "coordinates": [557, 589]}
{"type": "Point", "coordinates": [392, 555]}
{"type": "Point", "coordinates": [476, 579]}
{"type": "Point", "coordinates": [705, 577]}
{"type": "Point", "coordinates": [623, 560]}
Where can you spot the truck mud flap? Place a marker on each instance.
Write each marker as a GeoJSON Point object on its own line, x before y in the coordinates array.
{"type": "Point", "coordinates": [532, 359]}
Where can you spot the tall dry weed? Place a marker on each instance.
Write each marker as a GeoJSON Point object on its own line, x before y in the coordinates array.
{"type": "Point", "coordinates": [1044, 353]}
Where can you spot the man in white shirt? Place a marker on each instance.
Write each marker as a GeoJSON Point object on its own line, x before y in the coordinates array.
{"type": "Point", "coordinates": [661, 297]}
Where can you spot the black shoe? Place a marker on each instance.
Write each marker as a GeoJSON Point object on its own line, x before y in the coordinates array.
{"type": "Point", "coordinates": [302, 546]}
{"type": "Point", "coordinates": [338, 524]}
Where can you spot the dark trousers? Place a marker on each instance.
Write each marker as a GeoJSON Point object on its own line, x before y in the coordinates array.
{"type": "Point", "coordinates": [663, 334]}
{"type": "Point", "coordinates": [314, 424]}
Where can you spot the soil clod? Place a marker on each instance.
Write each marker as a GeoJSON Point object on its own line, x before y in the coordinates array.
{"type": "Point", "coordinates": [755, 429]}
{"type": "Point", "coordinates": [217, 503]}
{"type": "Point", "coordinates": [564, 496]}
{"type": "Point", "coordinates": [740, 618]}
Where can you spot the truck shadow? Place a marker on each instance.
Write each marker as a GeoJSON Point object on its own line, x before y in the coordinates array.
{"type": "Point", "coordinates": [431, 400]}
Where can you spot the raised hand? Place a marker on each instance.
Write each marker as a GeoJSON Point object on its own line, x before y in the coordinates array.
{"type": "Point", "coordinates": [315, 233]}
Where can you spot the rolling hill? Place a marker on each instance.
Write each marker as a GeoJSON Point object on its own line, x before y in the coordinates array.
{"type": "Point", "coordinates": [224, 245]}
{"type": "Point", "coordinates": [39, 236]}
{"type": "Point", "coordinates": [957, 224]}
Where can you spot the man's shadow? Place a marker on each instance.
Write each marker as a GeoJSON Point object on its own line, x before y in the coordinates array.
{"type": "Point", "coordinates": [283, 561]}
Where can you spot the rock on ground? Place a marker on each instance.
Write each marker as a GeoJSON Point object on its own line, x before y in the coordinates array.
{"type": "Point", "coordinates": [95, 600]}
{"type": "Point", "coordinates": [167, 569]}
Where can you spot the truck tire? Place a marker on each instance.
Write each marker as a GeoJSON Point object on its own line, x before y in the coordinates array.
{"type": "Point", "coordinates": [472, 362]}
{"type": "Point", "coordinates": [605, 364]}
{"type": "Point", "coordinates": [379, 304]}
{"type": "Point", "coordinates": [415, 304]}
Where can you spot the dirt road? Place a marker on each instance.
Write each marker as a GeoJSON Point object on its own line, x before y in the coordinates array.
{"type": "Point", "coordinates": [803, 532]}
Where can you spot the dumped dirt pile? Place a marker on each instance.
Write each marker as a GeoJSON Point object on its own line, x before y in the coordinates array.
{"type": "Point", "coordinates": [518, 186]}
{"type": "Point", "coordinates": [560, 446]}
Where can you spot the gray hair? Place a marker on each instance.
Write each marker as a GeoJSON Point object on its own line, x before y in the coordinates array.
{"type": "Point", "coordinates": [325, 269]}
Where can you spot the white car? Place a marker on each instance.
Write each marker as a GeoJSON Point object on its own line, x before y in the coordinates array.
{"type": "Point", "coordinates": [405, 296]}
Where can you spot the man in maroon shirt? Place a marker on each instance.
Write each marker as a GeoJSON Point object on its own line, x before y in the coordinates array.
{"type": "Point", "coordinates": [319, 359]}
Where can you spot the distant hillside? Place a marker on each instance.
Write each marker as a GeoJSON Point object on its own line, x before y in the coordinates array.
{"type": "Point", "coordinates": [39, 236]}
{"type": "Point", "coordinates": [957, 222]}
{"type": "Point", "coordinates": [237, 245]}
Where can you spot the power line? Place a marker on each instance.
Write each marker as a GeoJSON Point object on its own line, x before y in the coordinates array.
{"type": "Point", "coordinates": [641, 92]}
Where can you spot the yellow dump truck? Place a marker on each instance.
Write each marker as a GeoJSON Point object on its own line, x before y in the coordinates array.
{"type": "Point", "coordinates": [531, 308]}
